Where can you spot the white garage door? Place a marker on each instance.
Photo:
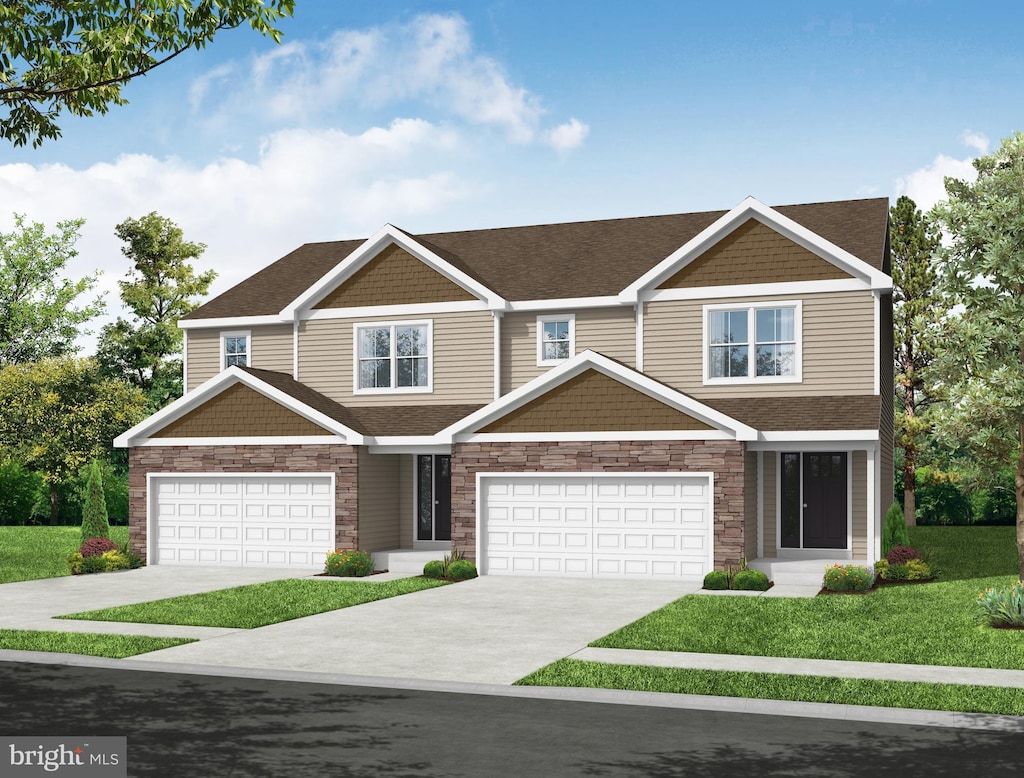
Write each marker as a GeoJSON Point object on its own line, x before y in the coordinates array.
{"type": "Point", "coordinates": [603, 526]}
{"type": "Point", "coordinates": [259, 521]}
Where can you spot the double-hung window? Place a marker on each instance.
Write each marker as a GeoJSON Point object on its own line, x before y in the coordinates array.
{"type": "Point", "coordinates": [556, 338]}
{"type": "Point", "coordinates": [752, 343]}
{"type": "Point", "coordinates": [393, 357]}
{"type": "Point", "coordinates": [234, 349]}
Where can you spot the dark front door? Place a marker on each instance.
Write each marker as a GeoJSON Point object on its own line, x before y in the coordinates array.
{"type": "Point", "coordinates": [825, 500]}
{"type": "Point", "coordinates": [434, 497]}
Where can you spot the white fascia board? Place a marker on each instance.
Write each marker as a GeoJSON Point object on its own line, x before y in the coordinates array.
{"type": "Point", "coordinates": [565, 303]}
{"type": "Point", "coordinates": [233, 322]}
{"type": "Point", "coordinates": [780, 289]}
{"type": "Point", "coordinates": [583, 437]}
{"type": "Point", "coordinates": [754, 208]}
{"type": "Point", "coordinates": [138, 434]}
{"type": "Point", "coordinates": [816, 440]}
{"type": "Point", "coordinates": [407, 445]}
{"type": "Point", "coordinates": [590, 359]}
{"type": "Point", "coordinates": [386, 236]}
{"type": "Point", "coordinates": [414, 309]}
{"type": "Point", "coordinates": [265, 440]}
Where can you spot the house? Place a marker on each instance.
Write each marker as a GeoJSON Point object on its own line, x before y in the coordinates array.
{"type": "Point", "coordinates": [642, 397]}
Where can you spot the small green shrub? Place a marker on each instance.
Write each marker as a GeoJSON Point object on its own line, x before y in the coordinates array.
{"type": "Point", "coordinates": [848, 578]}
{"type": "Point", "coordinates": [461, 570]}
{"type": "Point", "coordinates": [115, 560]}
{"type": "Point", "coordinates": [95, 522]}
{"type": "Point", "coordinates": [750, 580]}
{"type": "Point", "coordinates": [94, 564]}
{"type": "Point", "coordinates": [897, 573]}
{"type": "Point", "coordinates": [1002, 607]}
{"type": "Point", "coordinates": [75, 563]}
{"type": "Point", "coordinates": [449, 560]}
{"type": "Point", "coordinates": [894, 531]}
{"type": "Point", "coordinates": [918, 570]}
{"type": "Point", "coordinates": [882, 568]}
{"type": "Point", "coordinates": [716, 580]}
{"type": "Point", "coordinates": [433, 569]}
{"type": "Point", "coordinates": [349, 563]}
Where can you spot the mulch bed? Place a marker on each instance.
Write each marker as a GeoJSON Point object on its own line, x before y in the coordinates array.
{"type": "Point", "coordinates": [880, 584]}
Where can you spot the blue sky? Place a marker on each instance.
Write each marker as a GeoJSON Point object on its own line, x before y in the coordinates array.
{"type": "Point", "coordinates": [441, 116]}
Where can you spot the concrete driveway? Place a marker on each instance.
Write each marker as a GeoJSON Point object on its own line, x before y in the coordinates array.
{"type": "Point", "coordinates": [489, 630]}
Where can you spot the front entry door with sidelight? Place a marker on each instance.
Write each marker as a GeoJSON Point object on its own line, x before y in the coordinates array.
{"type": "Point", "coordinates": [433, 497]}
{"type": "Point", "coordinates": [814, 499]}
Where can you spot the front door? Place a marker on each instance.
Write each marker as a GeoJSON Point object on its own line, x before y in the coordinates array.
{"type": "Point", "coordinates": [434, 497]}
{"type": "Point", "coordinates": [825, 500]}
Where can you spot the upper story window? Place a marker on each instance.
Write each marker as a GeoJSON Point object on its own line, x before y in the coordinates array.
{"type": "Point", "coordinates": [556, 338]}
{"type": "Point", "coordinates": [234, 349]}
{"type": "Point", "coordinates": [753, 343]}
{"type": "Point", "coordinates": [393, 357]}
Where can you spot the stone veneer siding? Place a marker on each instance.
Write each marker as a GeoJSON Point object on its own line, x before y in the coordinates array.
{"type": "Point", "coordinates": [724, 458]}
{"type": "Point", "coordinates": [342, 460]}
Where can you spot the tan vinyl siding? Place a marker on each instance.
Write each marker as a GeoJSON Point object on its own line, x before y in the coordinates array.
{"type": "Point", "coordinates": [406, 499]}
{"type": "Point", "coordinates": [379, 503]}
{"type": "Point", "coordinates": [272, 348]}
{"type": "Point", "coordinates": [886, 422]}
{"type": "Point", "coordinates": [838, 346]}
{"type": "Point", "coordinates": [860, 505]}
{"type": "Point", "coordinates": [750, 504]}
{"type": "Point", "coordinates": [770, 502]}
{"type": "Point", "coordinates": [463, 369]}
{"type": "Point", "coordinates": [609, 331]}
{"type": "Point", "coordinates": [203, 356]}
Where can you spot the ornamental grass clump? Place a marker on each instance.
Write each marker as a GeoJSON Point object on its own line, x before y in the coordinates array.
{"type": "Point", "coordinates": [1002, 607]}
{"type": "Point", "coordinates": [848, 578]}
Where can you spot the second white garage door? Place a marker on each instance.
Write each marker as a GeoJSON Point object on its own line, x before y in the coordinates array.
{"type": "Point", "coordinates": [603, 525]}
{"type": "Point", "coordinates": [258, 520]}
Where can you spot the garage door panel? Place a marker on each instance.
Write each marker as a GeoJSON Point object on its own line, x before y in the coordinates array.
{"type": "Point", "coordinates": [272, 521]}
{"type": "Point", "coordinates": [647, 526]}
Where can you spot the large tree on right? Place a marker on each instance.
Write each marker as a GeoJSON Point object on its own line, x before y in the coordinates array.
{"type": "Point", "coordinates": [983, 271]}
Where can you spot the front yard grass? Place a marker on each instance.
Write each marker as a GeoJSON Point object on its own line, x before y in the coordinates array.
{"type": "Point", "coordinates": [772, 686]}
{"type": "Point", "coordinates": [88, 643]}
{"type": "Point", "coordinates": [930, 624]}
{"type": "Point", "coordinates": [257, 605]}
{"type": "Point", "coordinates": [28, 553]}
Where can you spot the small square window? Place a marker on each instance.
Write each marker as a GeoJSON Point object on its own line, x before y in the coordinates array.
{"type": "Point", "coordinates": [235, 349]}
{"type": "Point", "coordinates": [555, 339]}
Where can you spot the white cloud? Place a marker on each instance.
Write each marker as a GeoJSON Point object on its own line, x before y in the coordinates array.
{"type": "Point", "coordinates": [306, 185]}
{"type": "Point", "coordinates": [432, 61]}
{"type": "Point", "coordinates": [568, 136]}
{"type": "Point", "coordinates": [926, 185]}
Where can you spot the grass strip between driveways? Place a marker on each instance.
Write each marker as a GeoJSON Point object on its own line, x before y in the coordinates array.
{"type": "Point", "coordinates": [88, 643]}
{"type": "Point", "coordinates": [29, 553]}
{"type": "Point", "coordinates": [771, 686]}
{"type": "Point", "coordinates": [257, 605]}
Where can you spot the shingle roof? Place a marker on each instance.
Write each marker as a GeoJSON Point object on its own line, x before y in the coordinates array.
{"type": "Point", "coordinates": [532, 263]}
{"type": "Point", "coordinates": [788, 414]}
{"type": "Point", "coordinates": [376, 420]}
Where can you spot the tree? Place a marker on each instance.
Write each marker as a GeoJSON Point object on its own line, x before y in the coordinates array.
{"type": "Point", "coordinates": [983, 271]}
{"type": "Point", "coordinates": [95, 521]}
{"type": "Point", "coordinates": [916, 308]}
{"type": "Point", "coordinates": [38, 315]}
{"type": "Point", "coordinates": [60, 413]}
{"type": "Point", "coordinates": [161, 288]}
{"type": "Point", "coordinates": [76, 56]}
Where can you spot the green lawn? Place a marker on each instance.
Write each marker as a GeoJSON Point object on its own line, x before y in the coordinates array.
{"type": "Point", "coordinates": [925, 624]}
{"type": "Point", "coordinates": [256, 605]}
{"type": "Point", "coordinates": [771, 686]}
{"type": "Point", "coordinates": [91, 644]}
{"type": "Point", "coordinates": [27, 553]}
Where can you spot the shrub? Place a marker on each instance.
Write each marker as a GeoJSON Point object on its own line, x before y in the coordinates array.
{"type": "Point", "coordinates": [894, 531]}
{"type": "Point", "coordinates": [20, 489]}
{"type": "Point", "coordinates": [95, 522]}
{"type": "Point", "coordinates": [848, 578]}
{"type": "Point", "coordinates": [900, 555]}
{"type": "Point", "coordinates": [716, 580]}
{"type": "Point", "coordinates": [75, 563]}
{"type": "Point", "coordinates": [433, 569]}
{"type": "Point", "coordinates": [897, 572]}
{"type": "Point", "coordinates": [461, 570]}
{"type": "Point", "coordinates": [349, 563]}
{"type": "Point", "coordinates": [918, 570]}
{"type": "Point", "coordinates": [115, 560]}
{"type": "Point", "coordinates": [449, 559]}
{"type": "Point", "coordinates": [750, 580]}
{"type": "Point", "coordinates": [94, 564]}
{"type": "Point", "coordinates": [1002, 607]}
{"type": "Point", "coordinates": [882, 568]}
{"type": "Point", "coordinates": [96, 547]}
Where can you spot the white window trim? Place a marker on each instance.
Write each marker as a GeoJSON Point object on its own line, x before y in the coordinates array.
{"type": "Point", "coordinates": [428, 389]}
{"type": "Point", "coordinates": [247, 334]}
{"type": "Point", "coordinates": [569, 317]}
{"type": "Point", "coordinates": [796, 378]}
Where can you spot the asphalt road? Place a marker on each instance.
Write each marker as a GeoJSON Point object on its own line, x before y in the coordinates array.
{"type": "Point", "coordinates": [209, 727]}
